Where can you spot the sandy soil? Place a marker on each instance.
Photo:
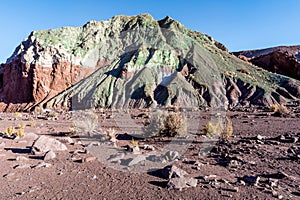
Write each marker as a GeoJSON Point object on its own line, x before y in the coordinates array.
{"type": "Point", "coordinates": [262, 145]}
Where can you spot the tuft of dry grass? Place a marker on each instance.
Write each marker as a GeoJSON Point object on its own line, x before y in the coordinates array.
{"type": "Point", "coordinates": [222, 127]}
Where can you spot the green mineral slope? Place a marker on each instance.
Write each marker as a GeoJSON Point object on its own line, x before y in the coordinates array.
{"type": "Point", "coordinates": [156, 63]}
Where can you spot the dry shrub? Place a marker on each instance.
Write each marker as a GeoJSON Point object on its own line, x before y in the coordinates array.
{"type": "Point", "coordinates": [166, 123]}
{"type": "Point", "coordinates": [222, 127]}
{"type": "Point", "coordinates": [173, 124]}
{"type": "Point", "coordinates": [279, 110]}
{"type": "Point", "coordinates": [85, 124]}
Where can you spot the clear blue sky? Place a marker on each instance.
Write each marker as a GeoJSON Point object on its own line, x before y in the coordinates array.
{"type": "Point", "coordinates": [239, 24]}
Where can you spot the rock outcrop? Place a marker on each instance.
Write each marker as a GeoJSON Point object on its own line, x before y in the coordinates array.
{"type": "Point", "coordinates": [133, 62]}
{"type": "Point", "coordinates": [283, 60]}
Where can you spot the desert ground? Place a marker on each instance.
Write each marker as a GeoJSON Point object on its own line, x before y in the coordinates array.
{"type": "Point", "coordinates": [259, 161]}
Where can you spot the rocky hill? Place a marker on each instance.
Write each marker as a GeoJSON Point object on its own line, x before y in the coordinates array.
{"type": "Point", "coordinates": [133, 62]}
{"type": "Point", "coordinates": [282, 60]}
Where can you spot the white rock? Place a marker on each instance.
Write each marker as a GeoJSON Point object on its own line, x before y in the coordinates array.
{"type": "Point", "coordinates": [182, 182]}
{"type": "Point", "coordinates": [21, 158]}
{"type": "Point", "coordinates": [173, 172]}
{"type": "Point", "coordinates": [22, 166]}
{"type": "Point", "coordinates": [42, 164]}
{"type": "Point", "coordinates": [149, 147]}
{"type": "Point", "coordinates": [44, 144]}
{"type": "Point", "coordinates": [30, 136]}
{"type": "Point", "coordinates": [137, 160]}
{"type": "Point", "coordinates": [50, 155]}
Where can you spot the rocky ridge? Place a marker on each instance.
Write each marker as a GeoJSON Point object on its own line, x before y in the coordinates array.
{"type": "Point", "coordinates": [283, 60]}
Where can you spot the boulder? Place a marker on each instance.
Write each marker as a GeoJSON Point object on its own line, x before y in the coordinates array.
{"type": "Point", "coordinates": [44, 144]}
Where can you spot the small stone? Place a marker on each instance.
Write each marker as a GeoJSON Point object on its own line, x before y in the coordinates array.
{"type": "Point", "coordinates": [137, 160]}
{"type": "Point", "coordinates": [133, 149]}
{"type": "Point", "coordinates": [171, 156]}
{"type": "Point", "coordinates": [79, 151]}
{"type": "Point", "coordinates": [49, 155]}
{"type": "Point", "coordinates": [88, 159]}
{"type": "Point", "coordinates": [22, 166]}
{"type": "Point", "coordinates": [273, 182]}
{"type": "Point", "coordinates": [66, 140]}
{"type": "Point", "coordinates": [42, 164]}
{"type": "Point", "coordinates": [136, 150]}
{"type": "Point", "coordinates": [274, 194]}
{"type": "Point", "coordinates": [149, 147]}
{"type": "Point", "coordinates": [211, 177]}
{"type": "Point", "coordinates": [8, 175]}
{"type": "Point", "coordinates": [94, 177]}
{"type": "Point", "coordinates": [182, 182]}
{"type": "Point", "coordinates": [259, 137]}
{"type": "Point", "coordinates": [21, 158]}
{"type": "Point", "coordinates": [172, 171]}
{"type": "Point", "coordinates": [241, 182]}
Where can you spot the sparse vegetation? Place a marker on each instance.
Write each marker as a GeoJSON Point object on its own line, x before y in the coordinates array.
{"type": "Point", "coordinates": [32, 124]}
{"type": "Point", "coordinates": [9, 131]}
{"type": "Point", "coordinates": [18, 115]}
{"type": "Point", "coordinates": [12, 132]}
{"type": "Point", "coordinates": [166, 123]}
{"type": "Point", "coordinates": [86, 123]}
{"type": "Point", "coordinates": [222, 127]}
{"type": "Point", "coordinates": [20, 133]}
{"type": "Point", "coordinates": [279, 110]}
{"type": "Point", "coordinates": [134, 143]}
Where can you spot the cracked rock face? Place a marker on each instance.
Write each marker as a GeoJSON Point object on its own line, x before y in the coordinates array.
{"type": "Point", "coordinates": [133, 62]}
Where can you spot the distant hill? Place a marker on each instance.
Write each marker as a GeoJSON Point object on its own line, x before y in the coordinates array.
{"type": "Point", "coordinates": [283, 60]}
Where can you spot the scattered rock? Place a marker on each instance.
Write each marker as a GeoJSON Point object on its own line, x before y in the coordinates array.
{"type": "Point", "coordinates": [211, 177]}
{"type": "Point", "coordinates": [42, 164]}
{"type": "Point", "coordinates": [136, 160]}
{"type": "Point", "coordinates": [172, 171]}
{"type": "Point", "coordinates": [21, 158]}
{"type": "Point", "coordinates": [79, 151]}
{"type": "Point", "coordinates": [181, 182]}
{"type": "Point", "coordinates": [44, 144]}
{"type": "Point", "coordinates": [273, 182]}
{"type": "Point", "coordinates": [170, 156]}
{"type": "Point", "coordinates": [259, 137]}
{"type": "Point", "coordinates": [88, 159]}
{"type": "Point", "coordinates": [50, 155]}
{"type": "Point", "coordinates": [22, 166]}
{"type": "Point", "coordinates": [149, 147]}
{"type": "Point", "coordinates": [8, 175]}
{"type": "Point", "coordinates": [231, 189]}
{"type": "Point", "coordinates": [66, 140]}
